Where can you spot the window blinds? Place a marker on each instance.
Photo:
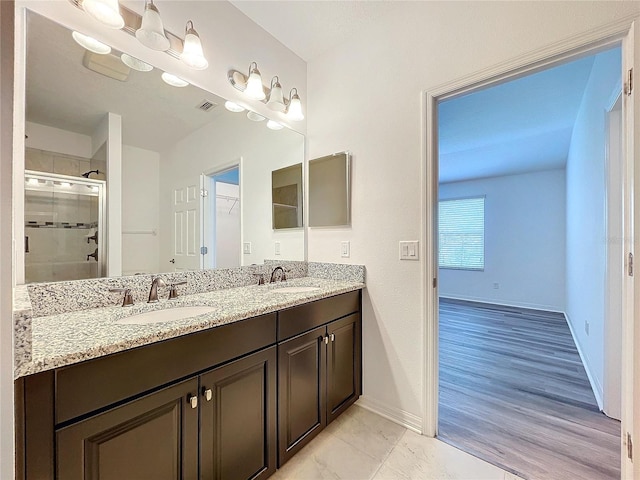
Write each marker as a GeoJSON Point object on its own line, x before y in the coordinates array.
{"type": "Point", "coordinates": [461, 233]}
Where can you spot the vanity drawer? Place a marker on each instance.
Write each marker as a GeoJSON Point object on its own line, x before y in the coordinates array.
{"type": "Point", "coordinates": [296, 320]}
{"type": "Point", "coordinates": [95, 384]}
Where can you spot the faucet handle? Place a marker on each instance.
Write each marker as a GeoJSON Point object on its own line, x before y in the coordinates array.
{"type": "Point", "coordinates": [173, 291]}
{"type": "Point", "coordinates": [128, 299]}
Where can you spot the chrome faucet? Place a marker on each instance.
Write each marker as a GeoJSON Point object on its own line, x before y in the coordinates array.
{"type": "Point", "coordinates": [153, 293]}
{"type": "Point", "coordinates": [283, 275]}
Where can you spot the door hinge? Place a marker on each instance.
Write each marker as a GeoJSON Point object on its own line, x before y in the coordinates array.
{"type": "Point", "coordinates": [630, 264]}
{"type": "Point", "coordinates": [204, 193]}
{"type": "Point", "coordinates": [628, 85]}
{"type": "Point", "coordinates": [204, 250]}
{"type": "Point", "coordinates": [629, 447]}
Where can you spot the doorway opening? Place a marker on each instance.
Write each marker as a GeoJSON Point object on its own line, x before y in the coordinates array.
{"type": "Point", "coordinates": [221, 225]}
{"type": "Point", "coordinates": [529, 304]}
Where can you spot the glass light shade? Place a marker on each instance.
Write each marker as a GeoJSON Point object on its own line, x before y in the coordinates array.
{"type": "Point", "coordinates": [91, 43]}
{"type": "Point", "coordinates": [173, 80]}
{"type": "Point", "coordinates": [233, 107]}
{"type": "Point", "coordinates": [107, 12]}
{"type": "Point", "coordinates": [134, 63]}
{"type": "Point", "coordinates": [254, 85]}
{"type": "Point", "coordinates": [295, 109]}
{"type": "Point", "coordinates": [274, 125]}
{"type": "Point", "coordinates": [276, 100]}
{"type": "Point", "coordinates": [192, 54]}
{"type": "Point", "coordinates": [151, 32]}
{"type": "Point", "coordinates": [256, 117]}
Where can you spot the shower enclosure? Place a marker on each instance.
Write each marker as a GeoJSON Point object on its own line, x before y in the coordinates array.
{"type": "Point", "coordinates": [64, 227]}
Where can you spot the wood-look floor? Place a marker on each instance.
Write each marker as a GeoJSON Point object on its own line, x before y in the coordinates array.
{"type": "Point", "coordinates": [513, 392]}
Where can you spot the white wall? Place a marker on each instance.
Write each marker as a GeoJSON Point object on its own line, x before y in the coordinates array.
{"type": "Point", "coordinates": [57, 140]}
{"type": "Point", "coordinates": [228, 237]}
{"type": "Point", "coordinates": [365, 96]}
{"type": "Point", "coordinates": [524, 242]}
{"type": "Point", "coordinates": [140, 210]}
{"type": "Point", "coordinates": [218, 144]}
{"type": "Point", "coordinates": [586, 218]}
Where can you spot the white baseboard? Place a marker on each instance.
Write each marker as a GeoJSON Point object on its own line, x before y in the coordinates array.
{"type": "Point", "coordinates": [530, 306]}
{"type": "Point", "coordinates": [396, 415]}
{"type": "Point", "coordinates": [595, 385]}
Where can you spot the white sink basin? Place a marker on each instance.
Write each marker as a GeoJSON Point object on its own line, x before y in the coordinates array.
{"type": "Point", "coordinates": [165, 315]}
{"type": "Point", "coordinates": [295, 289]}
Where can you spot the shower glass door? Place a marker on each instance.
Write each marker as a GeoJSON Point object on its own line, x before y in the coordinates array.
{"type": "Point", "coordinates": [64, 227]}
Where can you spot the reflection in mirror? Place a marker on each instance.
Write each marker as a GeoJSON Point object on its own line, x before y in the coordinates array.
{"type": "Point", "coordinates": [286, 195]}
{"type": "Point", "coordinates": [188, 183]}
{"type": "Point", "coordinates": [329, 190]}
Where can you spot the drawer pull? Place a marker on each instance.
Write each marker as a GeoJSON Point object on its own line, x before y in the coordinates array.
{"type": "Point", "coordinates": [193, 400]}
{"type": "Point", "coordinates": [208, 394]}
{"type": "Point", "coordinates": [333, 337]}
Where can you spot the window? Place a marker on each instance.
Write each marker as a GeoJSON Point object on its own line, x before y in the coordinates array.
{"type": "Point", "coordinates": [461, 233]}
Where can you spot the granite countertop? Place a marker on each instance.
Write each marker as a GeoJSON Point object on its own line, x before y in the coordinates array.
{"type": "Point", "coordinates": [67, 338]}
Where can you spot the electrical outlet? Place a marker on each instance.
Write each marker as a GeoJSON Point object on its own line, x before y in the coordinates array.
{"type": "Point", "coordinates": [277, 249]}
{"type": "Point", "coordinates": [496, 286]}
{"type": "Point", "coordinates": [246, 248]}
{"type": "Point", "coordinates": [345, 249]}
{"type": "Point", "coordinates": [586, 327]}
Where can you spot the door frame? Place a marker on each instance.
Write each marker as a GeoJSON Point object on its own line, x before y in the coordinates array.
{"type": "Point", "coordinates": [621, 33]}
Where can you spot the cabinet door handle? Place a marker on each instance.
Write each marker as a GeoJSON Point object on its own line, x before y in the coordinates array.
{"type": "Point", "coordinates": [326, 340]}
{"type": "Point", "coordinates": [208, 394]}
{"type": "Point", "coordinates": [333, 337]}
{"type": "Point", "coordinates": [193, 400]}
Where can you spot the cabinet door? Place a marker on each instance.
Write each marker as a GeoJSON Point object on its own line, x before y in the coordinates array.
{"type": "Point", "coordinates": [343, 365]}
{"type": "Point", "coordinates": [154, 437]}
{"type": "Point", "coordinates": [301, 391]}
{"type": "Point", "coordinates": [238, 419]}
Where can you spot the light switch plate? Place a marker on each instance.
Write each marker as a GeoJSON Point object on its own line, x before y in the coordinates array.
{"type": "Point", "coordinates": [246, 248]}
{"type": "Point", "coordinates": [409, 250]}
{"type": "Point", "coordinates": [277, 249]}
{"type": "Point", "coordinates": [345, 249]}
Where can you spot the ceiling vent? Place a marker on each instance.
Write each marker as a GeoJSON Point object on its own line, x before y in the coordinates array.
{"type": "Point", "coordinates": [206, 105]}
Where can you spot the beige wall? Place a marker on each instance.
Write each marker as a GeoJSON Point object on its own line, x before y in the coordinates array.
{"type": "Point", "coordinates": [366, 96]}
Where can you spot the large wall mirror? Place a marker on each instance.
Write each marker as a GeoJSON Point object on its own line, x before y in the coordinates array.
{"type": "Point", "coordinates": [127, 174]}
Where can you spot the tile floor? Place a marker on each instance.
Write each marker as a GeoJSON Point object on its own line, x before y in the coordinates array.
{"type": "Point", "coordinates": [361, 445]}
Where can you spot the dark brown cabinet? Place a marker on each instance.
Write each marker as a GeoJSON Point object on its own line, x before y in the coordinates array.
{"type": "Point", "coordinates": [154, 437]}
{"type": "Point", "coordinates": [238, 419]}
{"type": "Point", "coordinates": [228, 403]}
{"type": "Point", "coordinates": [319, 376]}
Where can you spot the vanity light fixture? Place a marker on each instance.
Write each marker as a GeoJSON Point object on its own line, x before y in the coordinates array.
{"type": "Point", "coordinates": [274, 125]}
{"type": "Point", "coordinates": [294, 112]}
{"type": "Point", "coordinates": [151, 32]}
{"type": "Point", "coordinates": [91, 43]}
{"type": "Point", "coordinates": [173, 80]}
{"type": "Point", "coordinates": [192, 54]}
{"type": "Point", "coordinates": [107, 12]}
{"type": "Point", "coordinates": [134, 63]}
{"type": "Point", "coordinates": [233, 107]}
{"type": "Point", "coordinates": [276, 100]}
{"type": "Point", "coordinates": [256, 117]}
{"type": "Point", "coordinates": [254, 88]}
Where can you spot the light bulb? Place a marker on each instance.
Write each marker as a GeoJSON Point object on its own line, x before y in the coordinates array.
{"type": "Point", "coordinates": [151, 32]}
{"type": "Point", "coordinates": [134, 63]}
{"type": "Point", "coordinates": [91, 43]}
{"type": "Point", "coordinates": [107, 12]}
{"type": "Point", "coordinates": [295, 107]}
{"type": "Point", "coordinates": [173, 80]}
{"type": "Point", "coordinates": [192, 54]}
{"type": "Point", "coordinates": [254, 83]}
{"type": "Point", "coordinates": [233, 107]}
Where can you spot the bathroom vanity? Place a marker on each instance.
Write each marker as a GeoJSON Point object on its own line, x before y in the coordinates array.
{"type": "Point", "coordinates": [233, 401]}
